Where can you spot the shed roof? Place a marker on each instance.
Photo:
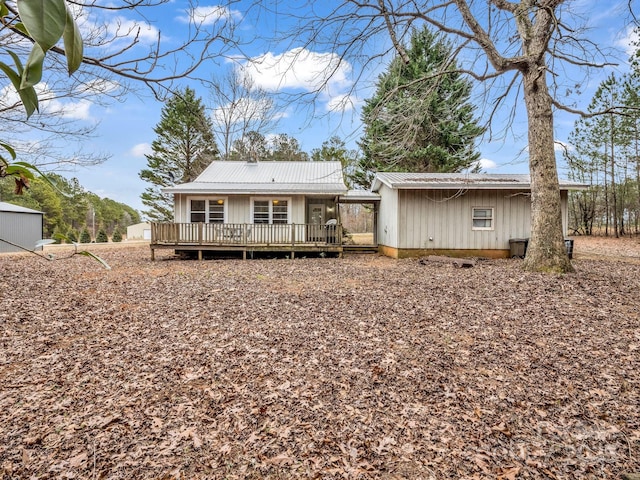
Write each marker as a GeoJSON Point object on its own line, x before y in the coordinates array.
{"type": "Point", "coordinates": [10, 207]}
{"type": "Point", "coordinates": [475, 181]}
{"type": "Point", "coordinates": [228, 177]}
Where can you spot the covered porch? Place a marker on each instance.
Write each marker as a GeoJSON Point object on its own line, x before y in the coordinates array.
{"type": "Point", "coordinates": [248, 238]}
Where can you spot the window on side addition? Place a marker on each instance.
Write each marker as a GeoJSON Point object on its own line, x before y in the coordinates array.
{"type": "Point", "coordinates": [482, 218]}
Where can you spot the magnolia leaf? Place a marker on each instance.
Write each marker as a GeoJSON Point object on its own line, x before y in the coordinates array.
{"type": "Point", "coordinates": [95, 257]}
{"type": "Point", "coordinates": [45, 20]}
{"type": "Point", "coordinates": [45, 178]}
{"type": "Point", "coordinates": [33, 69]}
{"type": "Point", "coordinates": [17, 170]}
{"type": "Point", "coordinates": [21, 28]}
{"type": "Point", "coordinates": [27, 95]}
{"type": "Point", "coordinates": [9, 149]}
{"type": "Point", "coordinates": [72, 44]}
{"type": "Point", "coordinates": [4, 11]}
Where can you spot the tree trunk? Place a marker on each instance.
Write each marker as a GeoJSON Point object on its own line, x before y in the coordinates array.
{"type": "Point", "coordinates": [546, 251]}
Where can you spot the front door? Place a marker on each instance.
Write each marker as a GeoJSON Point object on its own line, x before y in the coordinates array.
{"type": "Point", "coordinates": [316, 216]}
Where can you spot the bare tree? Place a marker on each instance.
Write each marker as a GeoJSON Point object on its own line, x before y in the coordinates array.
{"type": "Point", "coordinates": [519, 46]}
{"type": "Point", "coordinates": [240, 107]}
{"type": "Point", "coordinates": [123, 53]}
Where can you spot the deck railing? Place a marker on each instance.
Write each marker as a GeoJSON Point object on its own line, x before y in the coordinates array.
{"type": "Point", "coordinates": [244, 234]}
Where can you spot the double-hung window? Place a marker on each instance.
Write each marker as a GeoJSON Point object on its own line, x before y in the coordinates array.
{"type": "Point", "coordinates": [482, 218]}
{"type": "Point", "coordinates": [206, 210]}
{"type": "Point", "coordinates": [275, 210]}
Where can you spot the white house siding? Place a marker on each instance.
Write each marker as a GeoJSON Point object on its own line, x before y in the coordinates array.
{"type": "Point", "coordinates": [239, 207]}
{"type": "Point", "coordinates": [388, 217]}
{"type": "Point", "coordinates": [445, 216]}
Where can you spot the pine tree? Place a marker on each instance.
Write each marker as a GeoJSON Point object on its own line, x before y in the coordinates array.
{"type": "Point", "coordinates": [102, 237]}
{"type": "Point", "coordinates": [184, 147]}
{"type": "Point", "coordinates": [85, 236]}
{"type": "Point", "coordinates": [420, 118]}
{"type": "Point", "coordinates": [117, 235]}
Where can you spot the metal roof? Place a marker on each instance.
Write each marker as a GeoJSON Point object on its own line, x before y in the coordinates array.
{"type": "Point", "coordinates": [473, 181]}
{"type": "Point", "coordinates": [357, 196]}
{"type": "Point", "coordinates": [266, 178]}
{"type": "Point", "coordinates": [10, 207]}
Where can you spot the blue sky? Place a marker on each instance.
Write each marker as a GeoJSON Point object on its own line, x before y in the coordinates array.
{"type": "Point", "coordinates": [125, 129]}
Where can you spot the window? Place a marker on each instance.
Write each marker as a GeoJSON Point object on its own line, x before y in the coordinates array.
{"type": "Point", "coordinates": [261, 211]}
{"type": "Point", "coordinates": [198, 212]}
{"type": "Point", "coordinates": [279, 211]}
{"type": "Point", "coordinates": [216, 211]}
{"type": "Point", "coordinates": [271, 211]}
{"type": "Point", "coordinates": [206, 210]}
{"type": "Point", "coordinates": [482, 218]}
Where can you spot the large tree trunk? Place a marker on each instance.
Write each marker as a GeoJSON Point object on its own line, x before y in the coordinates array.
{"type": "Point", "coordinates": [546, 251]}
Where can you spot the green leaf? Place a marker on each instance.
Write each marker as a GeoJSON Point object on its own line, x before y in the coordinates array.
{"type": "Point", "coordinates": [45, 20]}
{"type": "Point", "coordinates": [9, 149]}
{"type": "Point", "coordinates": [21, 28]}
{"type": "Point", "coordinates": [28, 95]}
{"type": "Point", "coordinates": [16, 170]}
{"type": "Point", "coordinates": [72, 44]}
{"type": "Point", "coordinates": [95, 257]}
{"type": "Point", "coordinates": [33, 69]}
{"type": "Point", "coordinates": [4, 11]}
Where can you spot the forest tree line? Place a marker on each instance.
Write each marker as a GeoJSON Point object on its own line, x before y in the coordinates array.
{"type": "Point", "coordinates": [71, 213]}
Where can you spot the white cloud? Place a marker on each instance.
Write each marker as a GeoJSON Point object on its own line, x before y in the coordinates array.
{"type": "Point", "coordinates": [300, 69]}
{"type": "Point", "coordinates": [124, 28]}
{"type": "Point", "coordinates": [560, 146]}
{"type": "Point", "coordinates": [209, 15]}
{"type": "Point", "coordinates": [342, 103]}
{"type": "Point", "coordinates": [627, 40]}
{"type": "Point", "coordinates": [140, 150]}
{"type": "Point", "coordinates": [484, 164]}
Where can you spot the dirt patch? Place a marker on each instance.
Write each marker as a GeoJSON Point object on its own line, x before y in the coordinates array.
{"type": "Point", "coordinates": [363, 367]}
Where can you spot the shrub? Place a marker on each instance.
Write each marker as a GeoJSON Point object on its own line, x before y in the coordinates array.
{"type": "Point", "coordinates": [85, 236]}
{"type": "Point", "coordinates": [117, 236]}
{"type": "Point", "coordinates": [102, 236]}
{"type": "Point", "coordinates": [72, 235]}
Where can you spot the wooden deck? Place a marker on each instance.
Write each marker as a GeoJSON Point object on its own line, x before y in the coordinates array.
{"type": "Point", "coordinates": [247, 238]}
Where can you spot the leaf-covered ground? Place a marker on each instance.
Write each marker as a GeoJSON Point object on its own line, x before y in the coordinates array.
{"type": "Point", "coordinates": [363, 367]}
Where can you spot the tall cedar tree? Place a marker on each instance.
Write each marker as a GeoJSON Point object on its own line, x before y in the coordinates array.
{"type": "Point", "coordinates": [420, 118]}
{"type": "Point", "coordinates": [185, 146]}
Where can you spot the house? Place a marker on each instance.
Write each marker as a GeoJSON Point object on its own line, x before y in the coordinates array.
{"type": "Point", "coordinates": [293, 207]}
{"type": "Point", "coordinates": [20, 228]}
{"type": "Point", "coordinates": [253, 207]}
{"type": "Point", "coordinates": [454, 213]}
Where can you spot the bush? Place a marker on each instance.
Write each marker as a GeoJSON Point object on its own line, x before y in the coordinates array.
{"type": "Point", "coordinates": [102, 236]}
{"type": "Point", "coordinates": [57, 235]}
{"type": "Point", "coordinates": [72, 236]}
{"type": "Point", "coordinates": [117, 236]}
{"type": "Point", "coordinates": [85, 236]}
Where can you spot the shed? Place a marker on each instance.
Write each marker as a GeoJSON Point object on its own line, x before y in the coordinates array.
{"type": "Point", "coordinates": [139, 231]}
{"type": "Point", "coordinates": [19, 227]}
{"type": "Point", "coordinates": [455, 214]}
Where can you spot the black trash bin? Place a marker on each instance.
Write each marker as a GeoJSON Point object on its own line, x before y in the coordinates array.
{"type": "Point", "coordinates": [518, 247]}
{"type": "Point", "coordinates": [568, 243]}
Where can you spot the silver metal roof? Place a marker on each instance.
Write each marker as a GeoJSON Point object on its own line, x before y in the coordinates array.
{"type": "Point", "coordinates": [356, 196]}
{"type": "Point", "coordinates": [266, 178]}
{"type": "Point", "coordinates": [10, 207]}
{"type": "Point", "coordinates": [474, 181]}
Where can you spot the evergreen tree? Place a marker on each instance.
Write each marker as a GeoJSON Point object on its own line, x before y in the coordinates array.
{"type": "Point", "coordinates": [336, 150]}
{"type": "Point", "coordinates": [420, 118]}
{"type": "Point", "coordinates": [72, 235]}
{"type": "Point", "coordinates": [184, 147]}
{"type": "Point", "coordinates": [85, 236]}
{"type": "Point", "coordinates": [101, 237]}
{"type": "Point", "coordinates": [117, 235]}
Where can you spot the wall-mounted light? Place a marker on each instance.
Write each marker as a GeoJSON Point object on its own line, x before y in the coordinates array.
{"type": "Point", "coordinates": [275, 202]}
{"type": "Point", "coordinates": [220, 202]}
